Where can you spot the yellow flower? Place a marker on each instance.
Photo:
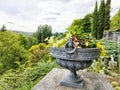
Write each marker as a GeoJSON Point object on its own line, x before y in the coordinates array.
{"type": "Point", "coordinates": [51, 40]}
{"type": "Point", "coordinates": [100, 46]}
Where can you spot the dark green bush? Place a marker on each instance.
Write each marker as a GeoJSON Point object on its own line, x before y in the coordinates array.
{"type": "Point", "coordinates": [11, 51]}
{"type": "Point", "coordinates": [111, 48]}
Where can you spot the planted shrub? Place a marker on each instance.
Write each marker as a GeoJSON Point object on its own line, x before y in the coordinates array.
{"type": "Point", "coordinates": [25, 79]}
{"type": "Point", "coordinates": [38, 51]}
{"type": "Point", "coordinates": [111, 48]}
{"type": "Point", "coordinates": [11, 51]}
{"type": "Point", "coordinates": [108, 49]}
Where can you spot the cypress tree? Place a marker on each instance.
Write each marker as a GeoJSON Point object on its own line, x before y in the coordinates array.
{"type": "Point", "coordinates": [101, 19]}
{"type": "Point", "coordinates": [39, 34]}
{"type": "Point", "coordinates": [3, 28]}
{"type": "Point", "coordinates": [107, 15]}
{"type": "Point", "coordinates": [95, 22]}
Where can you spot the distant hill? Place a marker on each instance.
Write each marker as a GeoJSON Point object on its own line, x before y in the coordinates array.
{"type": "Point", "coordinates": [25, 33]}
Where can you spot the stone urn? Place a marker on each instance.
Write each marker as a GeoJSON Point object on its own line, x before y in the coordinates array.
{"type": "Point", "coordinates": [73, 59]}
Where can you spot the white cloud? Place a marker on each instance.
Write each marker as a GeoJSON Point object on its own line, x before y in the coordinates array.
{"type": "Point", "coordinates": [115, 5]}
{"type": "Point", "coordinates": [26, 15]}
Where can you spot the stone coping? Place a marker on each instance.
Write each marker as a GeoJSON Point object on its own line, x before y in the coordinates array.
{"type": "Point", "coordinates": [92, 81]}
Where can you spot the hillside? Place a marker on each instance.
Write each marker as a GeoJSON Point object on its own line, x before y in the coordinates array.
{"type": "Point", "coordinates": [25, 33]}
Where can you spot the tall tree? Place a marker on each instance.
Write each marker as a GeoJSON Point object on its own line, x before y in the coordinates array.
{"type": "Point", "coordinates": [107, 15]}
{"type": "Point", "coordinates": [3, 28]}
{"type": "Point", "coordinates": [43, 32]}
{"type": "Point", "coordinates": [94, 26]}
{"type": "Point", "coordinates": [101, 19]}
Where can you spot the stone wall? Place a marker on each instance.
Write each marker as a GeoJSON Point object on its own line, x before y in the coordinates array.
{"type": "Point", "coordinates": [110, 35]}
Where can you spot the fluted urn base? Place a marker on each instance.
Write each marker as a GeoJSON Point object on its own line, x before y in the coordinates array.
{"type": "Point", "coordinates": [72, 80]}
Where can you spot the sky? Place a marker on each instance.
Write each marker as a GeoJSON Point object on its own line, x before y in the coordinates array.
{"type": "Point", "coordinates": [27, 15]}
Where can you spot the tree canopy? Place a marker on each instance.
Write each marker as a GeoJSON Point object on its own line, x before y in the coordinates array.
{"type": "Point", "coordinates": [43, 32]}
{"type": "Point", "coordinates": [80, 26]}
{"type": "Point", "coordinates": [11, 51]}
{"type": "Point", "coordinates": [115, 21]}
{"type": "Point", "coordinates": [3, 28]}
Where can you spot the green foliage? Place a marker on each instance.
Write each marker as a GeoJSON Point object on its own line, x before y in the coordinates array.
{"type": "Point", "coordinates": [80, 26]}
{"type": "Point", "coordinates": [95, 22]}
{"type": "Point", "coordinates": [111, 48]}
{"type": "Point", "coordinates": [115, 21]}
{"type": "Point", "coordinates": [25, 79]}
{"type": "Point", "coordinates": [23, 40]}
{"type": "Point", "coordinates": [38, 51]}
{"type": "Point", "coordinates": [32, 41]}
{"type": "Point", "coordinates": [47, 58]}
{"type": "Point", "coordinates": [107, 15]}
{"type": "Point", "coordinates": [86, 23]}
{"type": "Point", "coordinates": [11, 51]}
{"type": "Point", "coordinates": [59, 35]}
{"type": "Point", "coordinates": [101, 19]}
{"type": "Point", "coordinates": [75, 27]}
{"type": "Point", "coordinates": [43, 32]}
{"type": "Point", "coordinates": [99, 66]}
{"type": "Point", "coordinates": [59, 42]}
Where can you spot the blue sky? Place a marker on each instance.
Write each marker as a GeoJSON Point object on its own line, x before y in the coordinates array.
{"type": "Point", "coordinates": [26, 15]}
